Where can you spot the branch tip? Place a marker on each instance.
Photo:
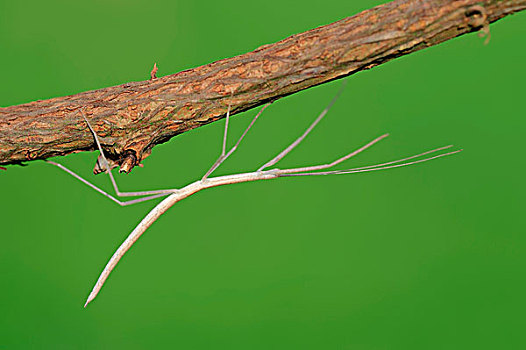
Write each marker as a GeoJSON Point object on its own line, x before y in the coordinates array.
{"type": "Point", "coordinates": [127, 164]}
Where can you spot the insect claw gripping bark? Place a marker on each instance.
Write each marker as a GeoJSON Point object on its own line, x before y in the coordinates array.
{"type": "Point", "coordinates": [176, 195]}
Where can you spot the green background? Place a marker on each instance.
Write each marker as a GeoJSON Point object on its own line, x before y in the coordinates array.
{"type": "Point", "coordinates": [422, 257]}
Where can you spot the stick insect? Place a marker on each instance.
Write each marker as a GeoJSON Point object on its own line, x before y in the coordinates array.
{"type": "Point", "coordinates": [262, 173]}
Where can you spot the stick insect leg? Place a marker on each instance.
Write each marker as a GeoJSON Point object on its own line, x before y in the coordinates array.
{"type": "Point", "coordinates": [121, 203]}
{"type": "Point", "coordinates": [383, 166]}
{"type": "Point", "coordinates": [221, 158]}
{"type": "Point", "coordinates": [337, 161]}
{"type": "Point", "coordinates": [224, 155]}
{"type": "Point", "coordinates": [107, 168]}
{"type": "Point", "coordinates": [293, 145]}
{"type": "Point", "coordinates": [387, 165]}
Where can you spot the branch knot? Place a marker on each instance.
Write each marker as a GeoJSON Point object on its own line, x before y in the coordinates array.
{"type": "Point", "coordinates": [477, 18]}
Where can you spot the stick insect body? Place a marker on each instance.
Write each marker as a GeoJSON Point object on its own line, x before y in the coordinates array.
{"type": "Point", "coordinates": [175, 195]}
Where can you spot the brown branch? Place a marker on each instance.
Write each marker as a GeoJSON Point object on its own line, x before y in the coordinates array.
{"type": "Point", "coordinates": [133, 117]}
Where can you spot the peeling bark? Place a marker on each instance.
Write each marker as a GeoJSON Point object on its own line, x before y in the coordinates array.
{"type": "Point", "coordinates": [132, 118]}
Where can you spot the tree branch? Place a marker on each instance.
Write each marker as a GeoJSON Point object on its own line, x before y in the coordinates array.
{"type": "Point", "coordinates": [132, 118]}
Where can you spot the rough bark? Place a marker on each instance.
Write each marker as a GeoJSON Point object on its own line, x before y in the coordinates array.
{"type": "Point", "coordinates": [132, 118]}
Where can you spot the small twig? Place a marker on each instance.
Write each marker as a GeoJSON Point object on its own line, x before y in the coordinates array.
{"type": "Point", "coordinates": [153, 73]}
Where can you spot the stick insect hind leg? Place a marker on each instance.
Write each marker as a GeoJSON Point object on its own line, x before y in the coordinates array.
{"type": "Point", "coordinates": [147, 195]}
